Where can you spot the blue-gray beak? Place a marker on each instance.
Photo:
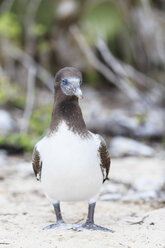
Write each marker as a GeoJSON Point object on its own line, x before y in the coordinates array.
{"type": "Point", "coordinates": [71, 86]}
{"type": "Point", "coordinates": [77, 92]}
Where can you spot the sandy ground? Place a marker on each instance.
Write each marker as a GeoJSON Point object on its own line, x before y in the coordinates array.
{"type": "Point", "coordinates": [25, 211]}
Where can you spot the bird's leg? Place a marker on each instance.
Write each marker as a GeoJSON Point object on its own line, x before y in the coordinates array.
{"type": "Point", "coordinates": [57, 211]}
{"type": "Point", "coordinates": [89, 224]}
{"type": "Point", "coordinates": [90, 217]}
{"type": "Point", "coordinates": [60, 224]}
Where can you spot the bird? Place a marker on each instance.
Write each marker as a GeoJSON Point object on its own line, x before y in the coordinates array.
{"type": "Point", "coordinates": [70, 161]}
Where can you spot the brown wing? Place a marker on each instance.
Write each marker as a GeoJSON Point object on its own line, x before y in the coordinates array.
{"type": "Point", "coordinates": [37, 164]}
{"type": "Point", "coordinates": [105, 159]}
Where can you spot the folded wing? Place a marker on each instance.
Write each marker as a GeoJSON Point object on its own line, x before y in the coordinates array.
{"type": "Point", "coordinates": [104, 158]}
{"type": "Point", "coordinates": [37, 164]}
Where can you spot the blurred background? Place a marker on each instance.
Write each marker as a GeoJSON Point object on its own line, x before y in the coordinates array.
{"type": "Point", "coordinates": [118, 45]}
{"type": "Point", "coordinates": [120, 48]}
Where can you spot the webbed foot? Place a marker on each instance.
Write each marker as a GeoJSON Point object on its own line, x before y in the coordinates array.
{"type": "Point", "coordinates": [60, 225]}
{"type": "Point", "coordinates": [91, 227]}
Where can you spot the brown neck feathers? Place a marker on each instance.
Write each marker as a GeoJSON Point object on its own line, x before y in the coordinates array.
{"type": "Point", "coordinates": [66, 108]}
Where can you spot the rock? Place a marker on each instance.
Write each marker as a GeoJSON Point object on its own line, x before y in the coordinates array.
{"type": "Point", "coordinates": [121, 124]}
{"type": "Point", "coordinates": [121, 146]}
{"type": "Point", "coordinates": [133, 179]}
{"type": "Point", "coordinates": [148, 131]}
{"type": "Point", "coordinates": [117, 125]}
{"type": "Point", "coordinates": [154, 125]}
{"type": "Point", "coordinates": [111, 197]}
{"type": "Point", "coordinates": [7, 123]}
{"type": "Point", "coordinates": [149, 184]}
{"type": "Point", "coordinates": [140, 195]}
{"type": "Point", "coordinates": [114, 117]}
{"type": "Point", "coordinates": [2, 157]}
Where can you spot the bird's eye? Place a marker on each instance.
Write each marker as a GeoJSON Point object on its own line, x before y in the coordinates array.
{"type": "Point", "coordinates": [64, 80]}
{"type": "Point", "coordinates": [80, 81]}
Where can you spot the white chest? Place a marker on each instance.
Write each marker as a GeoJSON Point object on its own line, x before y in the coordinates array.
{"type": "Point", "coordinates": [70, 165]}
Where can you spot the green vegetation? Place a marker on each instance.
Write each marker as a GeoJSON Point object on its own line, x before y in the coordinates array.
{"type": "Point", "coordinates": [9, 25]}
{"type": "Point", "coordinates": [39, 123]}
{"type": "Point", "coordinates": [44, 33]}
{"type": "Point", "coordinates": [25, 141]}
{"type": "Point", "coordinates": [103, 19]}
{"type": "Point", "coordinates": [11, 93]}
{"type": "Point", "coordinates": [40, 119]}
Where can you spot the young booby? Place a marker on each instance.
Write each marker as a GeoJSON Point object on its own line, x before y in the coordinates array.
{"type": "Point", "coordinates": [70, 161]}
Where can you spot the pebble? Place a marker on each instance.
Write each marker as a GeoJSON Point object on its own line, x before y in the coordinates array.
{"type": "Point", "coordinates": [122, 146]}
{"type": "Point", "coordinates": [7, 123]}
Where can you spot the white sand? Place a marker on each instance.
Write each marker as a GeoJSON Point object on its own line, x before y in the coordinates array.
{"type": "Point", "coordinates": [25, 211]}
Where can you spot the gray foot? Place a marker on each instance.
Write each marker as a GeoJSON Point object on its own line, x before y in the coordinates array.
{"type": "Point", "coordinates": [91, 227]}
{"type": "Point", "coordinates": [59, 226]}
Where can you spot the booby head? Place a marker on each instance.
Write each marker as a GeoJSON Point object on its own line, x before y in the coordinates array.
{"type": "Point", "coordinates": [69, 79]}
